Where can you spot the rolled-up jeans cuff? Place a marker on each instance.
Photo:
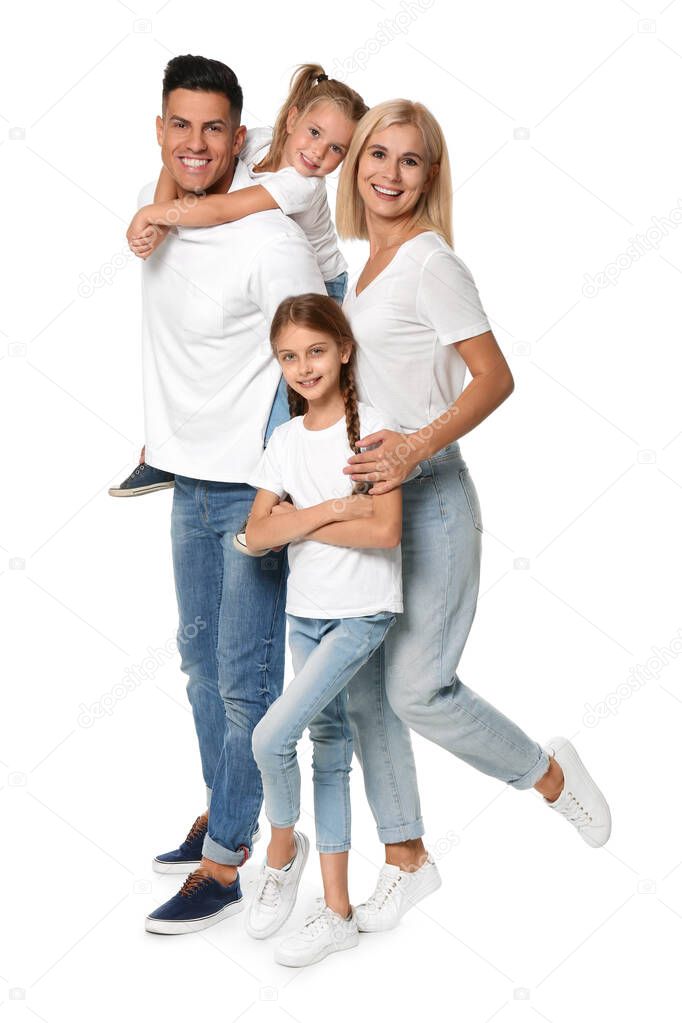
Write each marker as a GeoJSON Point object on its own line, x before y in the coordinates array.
{"type": "Point", "coordinates": [390, 836]}
{"type": "Point", "coordinates": [212, 850]}
{"type": "Point", "coordinates": [530, 778]}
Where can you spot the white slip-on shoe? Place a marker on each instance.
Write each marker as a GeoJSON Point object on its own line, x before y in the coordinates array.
{"type": "Point", "coordinates": [581, 802]}
{"type": "Point", "coordinates": [323, 932]}
{"type": "Point", "coordinates": [396, 891]}
{"type": "Point", "coordinates": [276, 892]}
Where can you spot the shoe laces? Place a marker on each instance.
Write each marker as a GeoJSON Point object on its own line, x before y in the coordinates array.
{"type": "Point", "coordinates": [386, 885]}
{"type": "Point", "coordinates": [270, 887]}
{"type": "Point", "coordinates": [194, 883]}
{"type": "Point", "coordinates": [574, 811]}
{"type": "Point", "coordinates": [197, 829]}
{"type": "Point", "coordinates": [317, 922]}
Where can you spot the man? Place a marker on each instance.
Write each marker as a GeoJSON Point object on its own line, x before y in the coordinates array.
{"type": "Point", "coordinates": [210, 379]}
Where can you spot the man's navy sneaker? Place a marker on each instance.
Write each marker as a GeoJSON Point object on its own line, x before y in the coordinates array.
{"type": "Point", "coordinates": [201, 902]}
{"type": "Point", "coordinates": [144, 479]}
{"type": "Point", "coordinates": [188, 855]}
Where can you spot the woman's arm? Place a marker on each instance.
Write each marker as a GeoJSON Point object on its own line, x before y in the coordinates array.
{"type": "Point", "coordinates": [382, 529]}
{"type": "Point", "coordinates": [265, 530]}
{"type": "Point", "coordinates": [491, 383]}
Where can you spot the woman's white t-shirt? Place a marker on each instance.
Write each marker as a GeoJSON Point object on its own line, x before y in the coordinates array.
{"type": "Point", "coordinates": [405, 323]}
{"type": "Point", "coordinates": [327, 581]}
{"type": "Point", "coordinates": [301, 198]}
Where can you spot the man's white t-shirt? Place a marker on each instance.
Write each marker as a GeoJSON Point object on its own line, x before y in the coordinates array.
{"type": "Point", "coordinates": [209, 375]}
{"type": "Point", "coordinates": [405, 323]}
{"type": "Point", "coordinates": [327, 581]}
{"type": "Point", "coordinates": [299, 197]}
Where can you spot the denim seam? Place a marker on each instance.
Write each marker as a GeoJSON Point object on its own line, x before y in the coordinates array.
{"type": "Point", "coordinates": [269, 638]}
{"type": "Point", "coordinates": [448, 561]}
{"type": "Point", "coordinates": [381, 694]}
{"type": "Point", "coordinates": [343, 721]}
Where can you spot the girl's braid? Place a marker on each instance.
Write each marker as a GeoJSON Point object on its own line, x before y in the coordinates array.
{"type": "Point", "coordinates": [350, 400]}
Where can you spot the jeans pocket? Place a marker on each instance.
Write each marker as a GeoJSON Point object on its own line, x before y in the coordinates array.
{"type": "Point", "coordinates": [471, 498]}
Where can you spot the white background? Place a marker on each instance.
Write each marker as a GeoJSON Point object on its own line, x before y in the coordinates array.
{"type": "Point", "coordinates": [579, 474]}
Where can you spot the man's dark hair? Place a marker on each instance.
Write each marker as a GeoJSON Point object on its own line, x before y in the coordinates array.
{"type": "Point", "coordinates": [205, 75]}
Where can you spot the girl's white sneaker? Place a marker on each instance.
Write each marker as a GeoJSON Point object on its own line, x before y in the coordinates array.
{"type": "Point", "coordinates": [323, 932]}
{"type": "Point", "coordinates": [276, 892]}
{"type": "Point", "coordinates": [581, 802]}
{"type": "Point", "coordinates": [396, 891]}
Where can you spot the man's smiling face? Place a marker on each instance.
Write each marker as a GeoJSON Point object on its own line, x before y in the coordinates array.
{"type": "Point", "coordinates": [199, 141]}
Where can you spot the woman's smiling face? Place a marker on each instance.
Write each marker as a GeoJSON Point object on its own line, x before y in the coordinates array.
{"type": "Point", "coordinates": [393, 171]}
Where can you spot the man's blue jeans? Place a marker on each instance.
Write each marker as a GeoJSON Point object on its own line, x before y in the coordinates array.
{"type": "Point", "coordinates": [231, 640]}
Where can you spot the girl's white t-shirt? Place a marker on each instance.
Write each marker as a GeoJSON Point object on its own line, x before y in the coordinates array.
{"type": "Point", "coordinates": [301, 198]}
{"type": "Point", "coordinates": [405, 323]}
{"type": "Point", "coordinates": [327, 581]}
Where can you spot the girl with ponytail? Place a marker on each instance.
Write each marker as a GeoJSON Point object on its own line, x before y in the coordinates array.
{"type": "Point", "coordinates": [342, 599]}
{"type": "Point", "coordinates": [288, 165]}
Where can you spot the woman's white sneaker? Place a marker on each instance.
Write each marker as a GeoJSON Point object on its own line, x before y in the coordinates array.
{"type": "Point", "coordinates": [581, 802]}
{"type": "Point", "coordinates": [276, 892]}
{"type": "Point", "coordinates": [396, 891]}
{"type": "Point", "coordinates": [323, 932]}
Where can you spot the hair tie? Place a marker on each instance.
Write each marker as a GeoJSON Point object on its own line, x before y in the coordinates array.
{"type": "Point", "coordinates": [322, 78]}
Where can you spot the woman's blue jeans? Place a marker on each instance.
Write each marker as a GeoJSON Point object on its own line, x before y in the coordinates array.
{"type": "Point", "coordinates": [412, 680]}
{"type": "Point", "coordinates": [326, 654]}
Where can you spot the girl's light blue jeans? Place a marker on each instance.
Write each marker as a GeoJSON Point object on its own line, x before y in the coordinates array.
{"type": "Point", "coordinates": [326, 654]}
{"type": "Point", "coordinates": [412, 680]}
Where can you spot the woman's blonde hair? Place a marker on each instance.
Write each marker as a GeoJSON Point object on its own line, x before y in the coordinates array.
{"type": "Point", "coordinates": [433, 210]}
{"type": "Point", "coordinates": [310, 85]}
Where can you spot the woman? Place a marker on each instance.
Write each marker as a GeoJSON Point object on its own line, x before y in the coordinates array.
{"type": "Point", "coordinates": [419, 324]}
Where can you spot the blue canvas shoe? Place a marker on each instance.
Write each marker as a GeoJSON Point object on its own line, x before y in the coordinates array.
{"type": "Point", "coordinates": [188, 855]}
{"type": "Point", "coordinates": [144, 479]}
{"type": "Point", "coordinates": [201, 902]}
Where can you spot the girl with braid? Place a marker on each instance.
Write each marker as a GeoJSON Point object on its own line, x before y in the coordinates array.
{"type": "Point", "coordinates": [341, 602]}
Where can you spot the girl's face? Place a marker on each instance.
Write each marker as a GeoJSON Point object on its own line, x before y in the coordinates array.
{"type": "Point", "coordinates": [393, 171]}
{"type": "Point", "coordinates": [318, 140]}
{"type": "Point", "coordinates": [311, 361]}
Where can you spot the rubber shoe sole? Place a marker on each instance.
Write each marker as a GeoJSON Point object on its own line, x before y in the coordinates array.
{"type": "Point", "coordinates": [138, 491]}
{"type": "Point", "coordinates": [190, 926]}
{"type": "Point", "coordinates": [284, 960]}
